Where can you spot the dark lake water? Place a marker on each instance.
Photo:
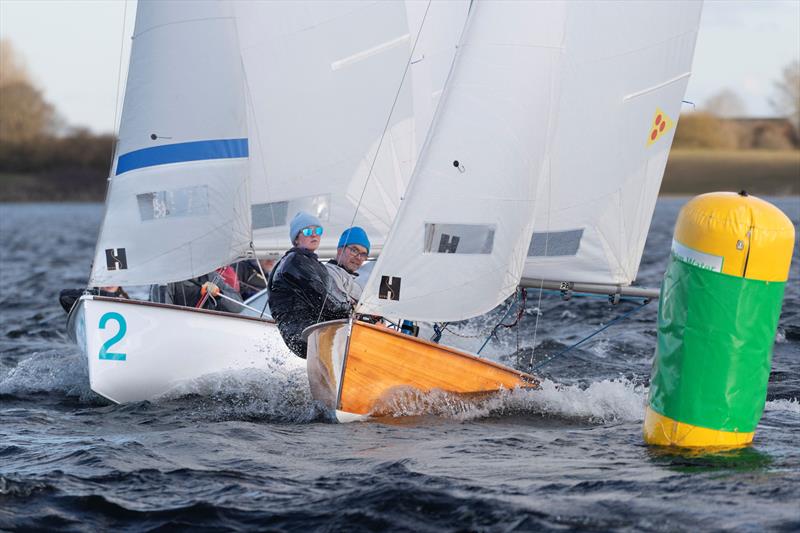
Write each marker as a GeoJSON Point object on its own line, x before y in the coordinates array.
{"type": "Point", "coordinates": [252, 450]}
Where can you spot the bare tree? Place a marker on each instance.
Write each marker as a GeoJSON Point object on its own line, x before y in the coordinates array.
{"type": "Point", "coordinates": [786, 100]}
{"type": "Point", "coordinates": [24, 113]}
{"type": "Point", "coordinates": [12, 70]}
{"type": "Point", "coordinates": [704, 130]}
{"type": "Point", "coordinates": [725, 104]}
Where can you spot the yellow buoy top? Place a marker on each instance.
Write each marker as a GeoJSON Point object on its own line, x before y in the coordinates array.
{"type": "Point", "coordinates": [737, 234]}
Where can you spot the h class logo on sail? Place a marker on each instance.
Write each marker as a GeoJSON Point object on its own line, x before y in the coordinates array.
{"type": "Point", "coordinates": [389, 288]}
{"type": "Point", "coordinates": [116, 259]}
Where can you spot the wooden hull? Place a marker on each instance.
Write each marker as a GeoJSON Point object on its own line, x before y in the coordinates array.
{"type": "Point", "coordinates": [356, 369]}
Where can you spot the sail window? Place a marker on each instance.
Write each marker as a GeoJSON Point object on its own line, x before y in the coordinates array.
{"type": "Point", "coordinates": [269, 215]}
{"type": "Point", "coordinates": [272, 214]}
{"type": "Point", "coordinates": [555, 243]}
{"type": "Point", "coordinates": [459, 238]}
{"type": "Point", "coordinates": [188, 201]}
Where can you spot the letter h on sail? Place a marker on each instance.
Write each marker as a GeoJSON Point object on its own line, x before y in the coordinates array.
{"type": "Point", "coordinates": [116, 259]}
{"type": "Point", "coordinates": [389, 288]}
{"type": "Point", "coordinates": [448, 244]}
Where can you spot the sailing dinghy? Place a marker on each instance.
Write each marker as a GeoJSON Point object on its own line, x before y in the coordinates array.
{"type": "Point", "coordinates": [237, 115]}
{"type": "Point", "coordinates": [541, 167]}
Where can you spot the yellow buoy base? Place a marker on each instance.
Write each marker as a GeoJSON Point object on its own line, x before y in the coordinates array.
{"type": "Point", "coordinates": [660, 430]}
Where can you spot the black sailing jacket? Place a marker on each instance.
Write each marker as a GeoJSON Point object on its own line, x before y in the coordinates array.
{"type": "Point", "coordinates": [298, 286]}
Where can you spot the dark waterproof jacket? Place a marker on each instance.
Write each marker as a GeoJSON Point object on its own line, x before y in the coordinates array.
{"type": "Point", "coordinates": [298, 286]}
{"type": "Point", "coordinates": [250, 278]}
{"type": "Point", "coordinates": [68, 297]}
{"type": "Point", "coordinates": [187, 293]}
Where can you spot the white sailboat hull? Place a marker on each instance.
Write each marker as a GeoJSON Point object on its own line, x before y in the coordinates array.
{"type": "Point", "coordinates": [139, 350]}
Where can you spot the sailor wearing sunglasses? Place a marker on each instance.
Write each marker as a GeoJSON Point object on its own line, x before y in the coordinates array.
{"type": "Point", "coordinates": [301, 291]}
{"type": "Point", "coordinates": [352, 251]}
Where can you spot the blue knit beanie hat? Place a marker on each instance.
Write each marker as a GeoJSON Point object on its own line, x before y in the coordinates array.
{"type": "Point", "coordinates": [302, 220]}
{"type": "Point", "coordinates": [354, 235]}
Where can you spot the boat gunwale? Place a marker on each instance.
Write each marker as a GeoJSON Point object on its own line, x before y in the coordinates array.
{"type": "Point", "coordinates": [175, 308]}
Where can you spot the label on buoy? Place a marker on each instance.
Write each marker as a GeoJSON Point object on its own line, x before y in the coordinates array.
{"type": "Point", "coordinates": [697, 258]}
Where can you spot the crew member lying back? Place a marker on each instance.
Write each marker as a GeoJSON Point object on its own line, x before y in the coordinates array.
{"type": "Point", "coordinates": [301, 292]}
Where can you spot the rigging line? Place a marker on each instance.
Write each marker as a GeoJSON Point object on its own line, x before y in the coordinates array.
{"type": "Point", "coordinates": [391, 112]}
{"type": "Point", "coordinates": [520, 312]}
{"type": "Point", "coordinates": [262, 159]}
{"type": "Point", "coordinates": [550, 119]}
{"type": "Point", "coordinates": [115, 141]}
{"type": "Point", "coordinates": [119, 77]}
{"type": "Point", "coordinates": [237, 302]}
{"type": "Point", "coordinates": [541, 281]}
{"type": "Point", "coordinates": [383, 134]}
{"type": "Point", "coordinates": [494, 330]}
{"type": "Point", "coordinates": [263, 276]}
{"type": "Point", "coordinates": [623, 316]}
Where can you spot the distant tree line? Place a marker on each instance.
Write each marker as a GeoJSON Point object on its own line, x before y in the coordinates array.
{"type": "Point", "coordinates": [41, 158]}
{"type": "Point", "coordinates": [719, 123]}
{"type": "Point", "coordinates": [34, 141]}
{"type": "Point", "coordinates": [79, 150]}
{"type": "Point", "coordinates": [704, 130]}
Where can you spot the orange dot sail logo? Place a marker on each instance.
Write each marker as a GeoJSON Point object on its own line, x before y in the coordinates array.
{"type": "Point", "coordinates": [661, 125]}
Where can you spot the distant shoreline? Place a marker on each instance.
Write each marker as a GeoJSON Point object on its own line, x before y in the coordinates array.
{"type": "Point", "coordinates": [688, 172]}
{"type": "Point", "coordinates": [761, 172]}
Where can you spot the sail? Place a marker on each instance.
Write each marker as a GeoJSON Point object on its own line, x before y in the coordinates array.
{"type": "Point", "coordinates": [178, 202]}
{"type": "Point", "coordinates": [458, 245]}
{"type": "Point", "coordinates": [625, 70]}
{"type": "Point", "coordinates": [322, 78]}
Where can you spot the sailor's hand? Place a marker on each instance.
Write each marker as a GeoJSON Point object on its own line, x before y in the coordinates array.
{"type": "Point", "coordinates": [370, 319]}
{"type": "Point", "coordinates": [210, 288]}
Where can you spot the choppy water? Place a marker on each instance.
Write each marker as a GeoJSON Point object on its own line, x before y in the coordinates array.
{"type": "Point", "coordinates": [251, 450]}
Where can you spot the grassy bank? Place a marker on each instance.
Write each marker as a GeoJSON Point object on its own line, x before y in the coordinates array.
{"type": "Point", "coordinates": [774, 173]}
{"type": "Point", "coordinates": [764, 172]}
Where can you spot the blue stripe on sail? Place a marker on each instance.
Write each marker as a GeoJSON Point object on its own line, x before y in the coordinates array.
{"type": "Point", "coordinates": [181, 153]}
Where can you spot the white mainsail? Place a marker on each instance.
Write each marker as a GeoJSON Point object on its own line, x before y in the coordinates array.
{"type": "Point", "coordinates": [568, 105]}
{"type": "Point", "coordinates": [246, 112]}
{"type": "Point", "coordinates": [624, 64]}
{"type": "Point", "coordinates": [178, 204]}
{"type": "Point", "coordinates": [239, 114]}
{"type": "Point", "coordinates": [459, 241]}
{"type": "Point", "coordinates": [322, 79]}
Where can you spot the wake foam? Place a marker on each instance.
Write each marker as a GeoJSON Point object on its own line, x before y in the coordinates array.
{"type": "Point", "coordinates": [789, 405]}
{"type": "Point", "coordinates": [599, 402]}
{"type": "Point", "coordinates": [280, 392]}
{"type": "Point", "coordinates": [61, 372]}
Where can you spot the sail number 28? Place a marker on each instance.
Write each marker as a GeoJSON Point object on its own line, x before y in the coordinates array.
{"type": "Point", "coordinates": [123, 327]}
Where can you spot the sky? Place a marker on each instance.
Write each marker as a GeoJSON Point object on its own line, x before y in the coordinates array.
{"type": "Point", "coordinates": [72, 50]}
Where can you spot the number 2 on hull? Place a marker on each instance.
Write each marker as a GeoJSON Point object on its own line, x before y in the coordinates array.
{"type": "Point", "coordinates": [123, 327]}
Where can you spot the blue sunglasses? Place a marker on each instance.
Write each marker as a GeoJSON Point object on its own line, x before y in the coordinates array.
{"type": "Point", "coordinates": [309, 231]}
